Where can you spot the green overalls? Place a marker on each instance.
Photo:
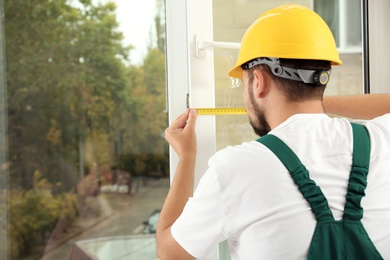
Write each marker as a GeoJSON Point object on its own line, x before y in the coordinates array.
{"type": "Point", "coordinates": [346, 238]}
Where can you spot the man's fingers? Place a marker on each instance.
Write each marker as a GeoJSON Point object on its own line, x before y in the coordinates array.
{"type": "Point", "coordinates": [180, 121]}
{"type": "Point", "coordinates": [185, 114]}
{"type": "Point", "coordinates": [186, 120]}
{"type": "Point", "coordinates": [191, 121]}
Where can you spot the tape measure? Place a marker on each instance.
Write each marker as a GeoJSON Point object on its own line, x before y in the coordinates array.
{"type": "Point", "coordinates": [221, 111]}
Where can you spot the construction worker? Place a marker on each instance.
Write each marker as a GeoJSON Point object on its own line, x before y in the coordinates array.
{"type": "Point", "coordinates": [313, 186]}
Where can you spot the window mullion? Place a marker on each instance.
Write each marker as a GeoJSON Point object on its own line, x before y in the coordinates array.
{"type": "Point", "coordinates": [343, 25]}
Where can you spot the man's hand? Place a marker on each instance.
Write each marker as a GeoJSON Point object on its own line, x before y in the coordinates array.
{"type": "Point", "coordinates": [181, 134]}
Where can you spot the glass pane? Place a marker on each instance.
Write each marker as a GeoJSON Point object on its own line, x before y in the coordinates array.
{"type": "Point", "coordinates": [354, 32]}
{"type": "Point", "coordinates": [231, 129]}
{"type": "Point", "coordinates": [329, 11]}
{"type": "Point", "coordinates": [86, 111]}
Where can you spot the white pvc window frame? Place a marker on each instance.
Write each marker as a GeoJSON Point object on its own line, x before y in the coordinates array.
{"type": "Point", "coordinates": [190, 78]}
{"type": "Point", "coordinates": [190, 74]}
{"type": "Point", "coordinates": [378, 42]}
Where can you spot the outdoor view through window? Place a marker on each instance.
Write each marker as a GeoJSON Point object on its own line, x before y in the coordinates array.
{"type": "Point", "coordinates": [85, 154]}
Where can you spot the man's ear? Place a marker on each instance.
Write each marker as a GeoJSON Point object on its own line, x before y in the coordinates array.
{"type": "Point", "coordinates": [261, 83]}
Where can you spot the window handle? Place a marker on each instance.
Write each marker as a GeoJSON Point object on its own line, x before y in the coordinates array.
{"type": "Point", "coordinates": [203, 45]}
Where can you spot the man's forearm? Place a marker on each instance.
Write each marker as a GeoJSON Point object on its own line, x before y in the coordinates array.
{"type": "Point", "coordinates": [181, 189]}
{"type": "Point", "coordinates": [358, 106]}
{"type": "Point", "coordinates": [182, 138]}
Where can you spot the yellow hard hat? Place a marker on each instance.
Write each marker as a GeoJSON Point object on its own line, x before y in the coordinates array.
{"type": "Point", "coordinates": [289, 31]}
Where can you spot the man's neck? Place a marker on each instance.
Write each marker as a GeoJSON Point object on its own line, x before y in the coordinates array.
{"type": "Point", "coordinates": [284, 110]}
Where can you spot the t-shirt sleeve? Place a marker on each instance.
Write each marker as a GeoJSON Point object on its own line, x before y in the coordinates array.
{"type": "Point", "coordinates": [381, 123]}
{"type": "Point", "coordinates": [383, 120]}
{"type": "Point", "coordinates": [200, 227]}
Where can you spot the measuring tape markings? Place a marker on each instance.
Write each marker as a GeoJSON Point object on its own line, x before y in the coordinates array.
{"type": "Point", "coordinates": [221, 111]}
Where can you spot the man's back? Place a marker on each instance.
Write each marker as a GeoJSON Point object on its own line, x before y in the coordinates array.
{"type": "Point", "coordinates": [261, 211]}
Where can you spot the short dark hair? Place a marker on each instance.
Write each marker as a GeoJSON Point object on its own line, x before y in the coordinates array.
{"type": "Point", "coordinates": [296, 91]}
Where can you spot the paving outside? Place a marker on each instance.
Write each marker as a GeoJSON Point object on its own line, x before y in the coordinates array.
{"type": "Point", "coordinates": [120, 215]}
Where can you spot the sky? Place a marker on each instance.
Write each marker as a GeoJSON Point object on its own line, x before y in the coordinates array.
{"type": "Point", "coordinates": [135, 20]}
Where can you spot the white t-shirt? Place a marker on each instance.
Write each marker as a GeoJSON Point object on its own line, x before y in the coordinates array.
{"type": "Point", "coordinates": [248, 197]}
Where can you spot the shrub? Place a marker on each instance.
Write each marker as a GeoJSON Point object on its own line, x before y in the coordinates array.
{"type": "Point", "coordinates": [33, 215]}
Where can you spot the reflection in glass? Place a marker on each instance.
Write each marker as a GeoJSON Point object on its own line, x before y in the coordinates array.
{"type": "Point", "coordinates": [86, 158]}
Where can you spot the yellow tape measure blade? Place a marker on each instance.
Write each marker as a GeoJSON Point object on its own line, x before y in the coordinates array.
{"type": "Point", "coordinates": [221, 111]}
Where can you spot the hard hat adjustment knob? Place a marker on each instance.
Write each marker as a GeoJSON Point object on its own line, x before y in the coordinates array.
{"type": "Point", "coordinates": [321, 77]}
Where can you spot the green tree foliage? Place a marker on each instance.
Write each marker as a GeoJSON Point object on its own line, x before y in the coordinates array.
{"type": "Point", "coordinates": [74, 103]}
{"type": "Point", "coordinates": [33, 215]}
{"type": "Point", "coordinates": [148, 153]}
{"type": "Point", "coordinates": [64, 77]}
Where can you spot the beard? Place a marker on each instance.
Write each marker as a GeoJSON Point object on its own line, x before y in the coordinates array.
{"type": "Point", "coordinates": [259, 123]}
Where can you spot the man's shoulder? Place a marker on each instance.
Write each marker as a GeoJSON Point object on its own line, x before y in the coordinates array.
{"type": "Point", "coordinates": [380, 122]}
{"type": "Point", "coordinates": [243, 148]}
{"type": "Point", "coordinates": [241, 155]}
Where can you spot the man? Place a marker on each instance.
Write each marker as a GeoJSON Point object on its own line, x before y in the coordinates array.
{"type": "Point", "coordinates": [247, 196]}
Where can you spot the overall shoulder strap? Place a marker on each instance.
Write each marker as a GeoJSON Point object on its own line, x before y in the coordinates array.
{"type": "Point", "coordinates": [358, 176]}
{"type": "Point", "coordinates": [310, 191]}
{"type": "Point", "coordinates": [346, 239]}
